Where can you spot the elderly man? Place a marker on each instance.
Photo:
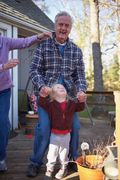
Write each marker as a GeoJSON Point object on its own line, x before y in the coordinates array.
{"type": "Point", "coordinates": [56, 60]}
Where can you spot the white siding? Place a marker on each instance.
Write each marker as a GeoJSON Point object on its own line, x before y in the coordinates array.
{"type": "Point", "coordinates": [25, 57]}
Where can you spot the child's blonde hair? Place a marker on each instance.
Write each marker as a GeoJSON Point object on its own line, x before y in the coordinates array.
{"type": "Point", "coordinates": [52, 95]}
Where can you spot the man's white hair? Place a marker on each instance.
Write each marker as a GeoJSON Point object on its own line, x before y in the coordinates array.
{"type": "Point", "coordinates": [63, 13]}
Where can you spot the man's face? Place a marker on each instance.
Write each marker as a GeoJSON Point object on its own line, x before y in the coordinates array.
{"type": "Point", "coordinates": [59, 91]}
{"type": "Point", "coordinates": [63, 28]}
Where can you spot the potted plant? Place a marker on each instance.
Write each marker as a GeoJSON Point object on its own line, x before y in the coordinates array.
{"type": "Point", "coordinates": [90, 165]}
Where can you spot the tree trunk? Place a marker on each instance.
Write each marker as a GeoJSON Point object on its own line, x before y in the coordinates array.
{"type": "Point", "coordinates": [97, 62]}
{"type": "Point", "coordinates": [95, 40]}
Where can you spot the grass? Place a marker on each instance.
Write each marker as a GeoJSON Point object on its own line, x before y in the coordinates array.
{"type": "Point", "coordinates": [85, 114]}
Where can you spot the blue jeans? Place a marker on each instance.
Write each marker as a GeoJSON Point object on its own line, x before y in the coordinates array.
{"type": "Point", "coordinates": [4, 121]}
{"type": "Point", "coordinates": [42, 135]}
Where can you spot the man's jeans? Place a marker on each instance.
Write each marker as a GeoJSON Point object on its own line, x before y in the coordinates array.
{"type": "Point", "coordinates": [42, 135]}
{"type": "Point", "coordinates": [4, 121]}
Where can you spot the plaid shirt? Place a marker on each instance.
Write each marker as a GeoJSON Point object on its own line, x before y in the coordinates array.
{"type": "Point", "coordinates": [48, 65]}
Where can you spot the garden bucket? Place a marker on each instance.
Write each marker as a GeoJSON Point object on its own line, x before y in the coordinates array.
{"type": "Point", "coordinates": [86, 173]}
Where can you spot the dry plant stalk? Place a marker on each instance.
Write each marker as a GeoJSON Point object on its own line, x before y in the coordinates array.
{"type": "Point", "coordinates": [99, 149]}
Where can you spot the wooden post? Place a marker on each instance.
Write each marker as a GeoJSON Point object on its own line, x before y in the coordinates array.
{"type": "Point", "coordinates": [117, 102]}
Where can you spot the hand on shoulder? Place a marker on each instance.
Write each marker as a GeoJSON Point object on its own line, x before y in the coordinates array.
{"type": "Point", "coordinates": [44, 36]}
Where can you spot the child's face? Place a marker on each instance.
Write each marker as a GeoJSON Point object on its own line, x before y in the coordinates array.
{"type": "Point", "coordinates": [59, 91]}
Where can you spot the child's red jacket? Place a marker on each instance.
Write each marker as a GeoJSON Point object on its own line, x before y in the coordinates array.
{"type": "Point", "coordinates": [61, 119]}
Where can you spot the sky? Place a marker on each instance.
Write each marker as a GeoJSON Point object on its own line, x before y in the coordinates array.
{"type": "Point", "coordinates": [55, 6]}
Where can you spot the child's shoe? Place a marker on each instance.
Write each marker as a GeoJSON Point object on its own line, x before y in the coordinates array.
{"type": "Point", "coordinates": [61, 173]}
{"type": "Point", "coordinates": [48, 175]}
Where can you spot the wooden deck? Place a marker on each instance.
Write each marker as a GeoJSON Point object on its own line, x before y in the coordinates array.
{"type": "Point", "coordinates": [20, 148]}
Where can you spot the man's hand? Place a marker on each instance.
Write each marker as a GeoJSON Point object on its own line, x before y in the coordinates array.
{"type": "Point", "coordinates": [10, 64]}
{"type": "Point", "coordinates": [81, 96]}
{"type": "Point", "coordinates": [45, 91]}
{"type": "Point", "coordinates": [44, 36]}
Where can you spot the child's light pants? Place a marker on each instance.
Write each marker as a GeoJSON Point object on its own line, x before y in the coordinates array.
{"type": "Point", "coordinates": [58, 147]}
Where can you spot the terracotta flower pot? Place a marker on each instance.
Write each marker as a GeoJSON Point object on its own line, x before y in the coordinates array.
{"type": "Point", "coordinates": [87, 173]}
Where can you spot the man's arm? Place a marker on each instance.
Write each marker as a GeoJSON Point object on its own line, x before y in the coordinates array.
{"type": "Point", "coordinates": [37, 68]}
{"type": "Point", "coordinates": [79, 74]}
